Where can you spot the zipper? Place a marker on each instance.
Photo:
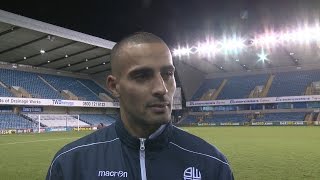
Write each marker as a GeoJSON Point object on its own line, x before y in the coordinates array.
{"type": "Point", "coordinates": [143, 159]}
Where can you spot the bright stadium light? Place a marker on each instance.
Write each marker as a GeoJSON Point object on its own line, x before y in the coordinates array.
{"type": "Point", "coordinates": [309, 34]}
{"type": "Point", "coordinates": [286, 37]}
{"type": "Point", "coordinates": [233, 45]}
{"type": "Point", "coordinates": [262, 56]}
{"type": "Point", "coordinates": [316, 32]}
{"type": "Point", "coordinates": [266, 40]}
{"type": "Point", "coordinates": [302, 34]}
{"type": "Point", "coordinates": [206, 48]}
{"type": "Point", "coordinates": [182, 51]}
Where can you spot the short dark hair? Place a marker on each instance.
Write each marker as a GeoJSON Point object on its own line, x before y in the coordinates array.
{"type": "Point", "coordinates": [136, 38]}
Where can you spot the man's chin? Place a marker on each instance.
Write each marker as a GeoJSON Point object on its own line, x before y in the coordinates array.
{"type": "Point", "coordinates": [159, 119]}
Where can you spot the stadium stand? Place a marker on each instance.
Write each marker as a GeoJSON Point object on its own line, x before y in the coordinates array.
{"type": "Point", "coordinates": [68, 83]}
{"type": "Point", "coordinates": [189, 119]}
{"type": "Point", "coordinates": [222, 118]}
{"type": "Point", "coordinates": [95, 119]}
{"type": "Point", "coordinates": [292, 83]}
{"type": "Point", "coordinates": [283, 84]}
{"type": "Point", "coordinates": [30, 82]}
{"type": "Point", "coordinates": [13, 121]}
{"type": "Point", "coordinates": [284, 116]}
{"type": "Point", "coordinates": [240, 86]}
{"type": "Point", "coordinates": [242, 118]}
{"type": "Point", "coordinates": [5, 92]}
{"type": "Point", "coordinates": [55, 120]}
{"type": "Point", "coordinates": [48, 86]}
{"type": "Point", "coordinates": [94, 87]}
{"type": "Point", "coordinates": [206, 86]}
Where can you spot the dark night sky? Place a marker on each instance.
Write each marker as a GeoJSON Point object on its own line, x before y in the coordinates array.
{"type": "Point", "coordinates": [174, 20]}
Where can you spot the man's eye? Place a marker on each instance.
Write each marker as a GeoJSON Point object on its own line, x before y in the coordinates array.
{"type": "Point", "coordinates": [168, 75]}
{"type": "Point", "coordinates": [141, 76]}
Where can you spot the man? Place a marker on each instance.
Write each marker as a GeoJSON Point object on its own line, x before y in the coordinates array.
{"type": "Point", "coordinates": [143, 144]}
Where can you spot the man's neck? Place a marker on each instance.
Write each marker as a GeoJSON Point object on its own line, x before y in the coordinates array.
{"type": "Point", "coordinates": [138, 130]}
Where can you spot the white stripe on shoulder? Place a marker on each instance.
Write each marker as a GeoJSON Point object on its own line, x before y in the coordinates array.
{"type": "Point", "coordinates": [200, 153]}
{"type": "Point", "coordinates": [180, 128]}
{"type": "Point", "coordinates": [77, 147]}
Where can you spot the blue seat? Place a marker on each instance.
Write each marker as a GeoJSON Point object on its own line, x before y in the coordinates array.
{"type": "Point", "coordinates": [292, 83]}
{"type": "Point", "coordinates": [95, 119]}
{"type": "Point", "coordinates": [283, 116]}
{"type": "Point", "coordinates": [5, 92]}
{"type": "Point", "coordinates": [71, 84]}
{"type": "Point", "coordinates": [30, 82]}
{"type": "Point", "coordinates": [13, 121]}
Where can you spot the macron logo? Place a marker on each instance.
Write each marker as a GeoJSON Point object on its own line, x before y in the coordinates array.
{"type": "Point", "coordinates": [191, 173]}
{"type": "Point", "coordinates": [118, 174]}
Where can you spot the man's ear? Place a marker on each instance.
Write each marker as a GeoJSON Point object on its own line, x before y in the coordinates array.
{"type": "Point", "coordinates": [113, 86]}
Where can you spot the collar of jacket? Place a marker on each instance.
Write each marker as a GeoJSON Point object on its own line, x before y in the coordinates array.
{"type": "Point", "coordinates": [156, 142]}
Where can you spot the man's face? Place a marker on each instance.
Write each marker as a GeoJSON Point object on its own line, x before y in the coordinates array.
{"type": "Point", "coordinates": [146, 83]}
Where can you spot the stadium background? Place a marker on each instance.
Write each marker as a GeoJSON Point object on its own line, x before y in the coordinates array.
{"type": "Point", "coordinates": [57, 75]}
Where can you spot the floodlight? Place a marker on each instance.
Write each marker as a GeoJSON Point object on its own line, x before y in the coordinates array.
{"type": "Point", "coordinates": [262, 56]}
{"type": "Point", "coordinates": [234, 44]}
{"type": "Point", "coordinates": [206, 48]}
{"type": "Point", "coordinates": [181, 52]}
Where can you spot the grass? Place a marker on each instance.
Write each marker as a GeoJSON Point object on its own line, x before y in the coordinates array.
{"type": "Point", "coordinates": [255, 153]}
{"type": "Point", "coordinates": [265, 153]}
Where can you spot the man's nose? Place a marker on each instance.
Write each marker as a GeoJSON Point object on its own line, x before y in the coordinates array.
{"type": "Point", "coordinates": [159, 86]}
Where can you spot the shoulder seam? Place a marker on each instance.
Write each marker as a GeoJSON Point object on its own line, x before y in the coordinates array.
{"type": "Point", "coordinates": [77, 147]}
{"type": "Point", "coordinates": [202, 154]}
{"type": "Point", "coordinates": [178, 128]}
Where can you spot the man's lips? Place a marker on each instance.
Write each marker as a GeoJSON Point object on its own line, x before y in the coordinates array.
{"type": "Point", "coordinates": [159, 107]}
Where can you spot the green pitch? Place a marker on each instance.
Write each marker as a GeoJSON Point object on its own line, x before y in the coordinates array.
{"type": "Point", "coordinates": [255, 153]}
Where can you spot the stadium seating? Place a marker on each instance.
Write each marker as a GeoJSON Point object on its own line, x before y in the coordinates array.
{"type": "Point", "coordinates": [205, 86]}
{"type": "Point", "coordinates": [85, 89]}
{"type": "Point", "coordinates": [71, 84]}
{"type": "Point", "coordinates": [189, 119]}
{"type": "Point", "coordinates": [284, 84]}
{"type": "Point", "coordinates": [242, 118]}
{"type": "Point", "coordinates": [94, 87]}
{"type": "Point", "coordinates": [292, 83]}
{"type": "Point", "coordinates": [5, 92]}
{"type": "Point", "coordinates": [241, 86]}
{"type": "Point", "coordinates": [30, 82]}
{"type": "Point", "coordinates": [283, 116]}
{"type": "Point", "coordinates": [223, 118]}
{"type": "Point", "coordinates": [13, 121]}
{"type": "Point", "coordinates": [53, 120]}
{"type": "Point", "coordinates": [236, 87]}
{"type": "Point", "coordinates": [95, 119]}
